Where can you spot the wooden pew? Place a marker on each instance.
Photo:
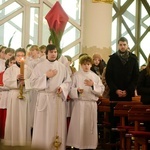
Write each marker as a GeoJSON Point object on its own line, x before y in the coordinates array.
{"type": "Point", "coordinates": [121, 110]}
{"type": "Point", "coordinates": [139, 114]}
{"type": "Point", "coordinates": [104, 109]}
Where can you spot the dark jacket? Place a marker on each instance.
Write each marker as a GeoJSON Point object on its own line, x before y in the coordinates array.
{"type": "Point", "coordinates": [143, 87]}
{"type": "Point", "coordinates": [123, 77]}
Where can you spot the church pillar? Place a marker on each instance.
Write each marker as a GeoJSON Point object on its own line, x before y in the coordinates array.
{"type": "Point", "coordinates": [97, 19]}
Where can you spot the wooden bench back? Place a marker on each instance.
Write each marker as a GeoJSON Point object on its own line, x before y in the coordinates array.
{"type": "Point", "coordinates": [104, 105]}
{"type": "Point", "coordinates": [122, 108]}
{"type": "Point", "coordinates": [139, 113]}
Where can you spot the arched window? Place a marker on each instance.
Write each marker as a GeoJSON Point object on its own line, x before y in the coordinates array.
{"type": "Point", "coordinates": [23, 22]}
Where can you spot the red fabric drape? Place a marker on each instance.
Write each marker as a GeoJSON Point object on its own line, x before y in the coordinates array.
{"type": "Point", "coordinates": [1, 78]}
{"type": "Point", "coordinates": [2, 122]}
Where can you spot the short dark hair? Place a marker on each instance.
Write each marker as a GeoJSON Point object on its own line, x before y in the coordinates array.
{"type": "Point", "coordinates": [9, 50]}
{"type": "Point", "coordinates": [50, 47]}
{"type": "Point", "coordinates": [83, 54]}
{"type": "Point", "coordinates": [9, 60]}
{"type": "Point", "coordinates": [20, 50]}
{"type": "Point", "coordinates": [28, 45]}
{"type": "Point", "coordinates": [123, 39]}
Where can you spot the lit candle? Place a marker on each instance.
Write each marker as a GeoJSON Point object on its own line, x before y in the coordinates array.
{"type": "Point", "coordinates": [22, 66]}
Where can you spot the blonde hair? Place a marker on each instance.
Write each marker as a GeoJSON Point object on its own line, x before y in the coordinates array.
{"type": "Point", "coordinates": [85, 59]}
{"type": "Point", "coordinates": [42, 47]}
{"type": "Point", "coordinates": [35, 47]}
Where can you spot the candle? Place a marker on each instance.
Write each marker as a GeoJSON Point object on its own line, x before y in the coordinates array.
{"type": "Point", "coordinates": [22, 77]}
{"type": "Point", "coordinates": [22, 66]}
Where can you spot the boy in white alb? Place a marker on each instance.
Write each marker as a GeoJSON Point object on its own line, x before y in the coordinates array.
{"type": "Point", "coordinates": [32, 61]}
{"type": "Point", "coordinates": [52, 80]}
{"type": "Point", "coordinates": [17, 129]}
{"type": "Point", "coordinates": [86, 89]}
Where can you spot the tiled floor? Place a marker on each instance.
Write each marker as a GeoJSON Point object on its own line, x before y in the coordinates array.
{"type": "Point", "coordinates": [2, 147]}
{"type": "Point", "coordinates": [100, 147]}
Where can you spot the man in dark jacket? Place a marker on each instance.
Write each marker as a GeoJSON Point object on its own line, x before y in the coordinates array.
{"type": "Point", "coordinates": [121, 76]}
{"type": "Point", "coordinates": [122, 73]}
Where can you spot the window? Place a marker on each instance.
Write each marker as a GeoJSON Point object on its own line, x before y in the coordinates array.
{"type": "Point", "coordinates": [23, 22]}
{"type": "Point", "coordinates": [131, 19]}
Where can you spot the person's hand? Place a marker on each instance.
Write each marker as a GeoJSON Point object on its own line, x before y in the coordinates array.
{"type": "Point", "coordinates": [88, 82]}
{"type": "Point", "coordinates": [121, 93]}
{"type": "Point", "coordinates": [21, 82]}
{"type": "Point", "coordinates": [59, 90]}
{"type": "Point", "coordinates": [80, 90]}
{"type": "Point", "coordinates": [20, 77]}
{"type": "Point", "coordinates": [51, 73]}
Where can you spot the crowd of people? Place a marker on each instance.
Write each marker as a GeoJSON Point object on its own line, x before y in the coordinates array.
{"type": "Point", "coordinates": [53, 91]}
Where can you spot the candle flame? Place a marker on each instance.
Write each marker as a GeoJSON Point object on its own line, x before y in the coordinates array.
{"type": "Point", "coordinates": [22, 59]}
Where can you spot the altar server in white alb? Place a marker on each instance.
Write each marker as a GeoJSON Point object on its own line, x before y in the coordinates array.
{"type": "Point", "coordinates": [52, 80]}
{"type": "Point", "coordinates": [86, 89]}
{"type": "Point", "coordinates": [17, 129]}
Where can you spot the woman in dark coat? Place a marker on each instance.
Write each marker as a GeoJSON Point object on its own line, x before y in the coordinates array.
{"type": "Point", "coordinates": [143, 86]}
{"type": "Point", "coordinates": [143, 89]}
{"type": "Point", "coordinates": [98, 64]}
